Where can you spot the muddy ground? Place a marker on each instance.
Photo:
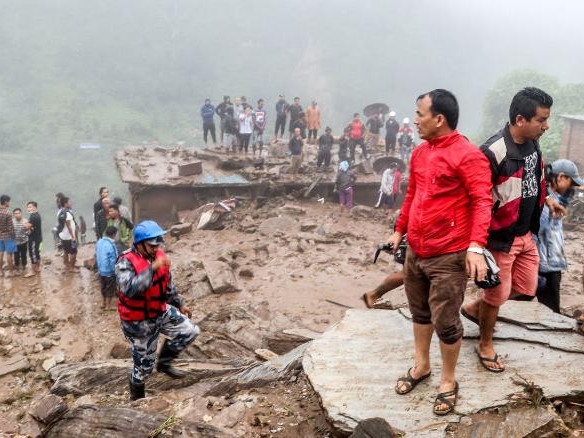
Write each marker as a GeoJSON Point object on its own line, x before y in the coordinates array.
{"type": "Point", "coordinates": [298, 266]}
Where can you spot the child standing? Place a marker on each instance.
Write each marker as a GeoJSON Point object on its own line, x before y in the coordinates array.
{"type": "Point", "coordinates": [561, 177]}
{"type": "Point", "coordinates": [344, 185]}
{"type": "Point", "coordinates": [107, 256]}
{"type": "Point", "coordinates": [21, 233]}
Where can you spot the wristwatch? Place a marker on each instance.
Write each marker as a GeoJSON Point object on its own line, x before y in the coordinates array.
{"type": "Point", "coordinates": [476, 250]}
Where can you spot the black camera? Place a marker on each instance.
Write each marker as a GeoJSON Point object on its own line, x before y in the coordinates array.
{"type": "Point", "coordinates": [399, 256]}
{"type": "Point", "coordinates": [493, 270]}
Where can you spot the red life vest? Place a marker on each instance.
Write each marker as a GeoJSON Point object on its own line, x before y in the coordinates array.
{"type": "Point", "coordinates": [356, 130]}
{"type": "Point", "coordinates": [152, 302]}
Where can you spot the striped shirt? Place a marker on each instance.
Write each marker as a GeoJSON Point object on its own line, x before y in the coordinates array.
{"type": "Point", "coordinates": [20, 231]}
{"type": "Point", "coordinates": [6, 225]}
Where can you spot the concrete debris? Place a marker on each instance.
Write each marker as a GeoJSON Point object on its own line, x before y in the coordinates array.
{"type": "Point", "coordinates": [194, 168]}
{"type": "Point", "coordinates": [13, 364]}
{"type": "Point", "coordinates": [180, 229]}
{"type": "Point", "coordinates": [48, 409]}
{"type": "Point", "coordinates": [212, 217]}
{"type": "Point", "coordinates": [221, 277]}
{"type": "Point", "coordinates": [353, 367]}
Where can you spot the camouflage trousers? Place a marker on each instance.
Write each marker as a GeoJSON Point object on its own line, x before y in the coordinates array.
{"type": "Point", "coordinates": [143, 337]}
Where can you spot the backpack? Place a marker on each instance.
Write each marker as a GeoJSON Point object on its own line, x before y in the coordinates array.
{"type": "Point", "coordinates": [61, 219]}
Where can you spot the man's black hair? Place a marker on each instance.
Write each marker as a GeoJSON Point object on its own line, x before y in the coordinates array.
{"type": "Point", "coordinates": [445, 103]}
{"type": "Point", "coordinates": [116, 207]}
{"type": "Point", "coordinates": [527, 101]}
{"type": "Point", "coordinates": [260, 100]}
{"type": "Point", "coordinates": [117, 200]}
{"type": "Point", "coordinates": [111, 231]}
{"type": "Point", "coordinates": [4, 199]}
{"type": "Point", "coordinates": [64, 200]}
{"type": "Point", "coordinates": [296, 98]}
{"type": "Point", "coordinates": [101, 190]}
{"type": "Point", "coordinates": [17, 209]}
{"type": "Point", "coordinates": [355, 115]}
{"type": "Point", "coordinates": [33, 203]}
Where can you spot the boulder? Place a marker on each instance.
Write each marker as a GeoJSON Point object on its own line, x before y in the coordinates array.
{"type": "Point", "coordinates": [221, 277]}
{"type": "Point", "coordinates": [230, 416]}
{"type": "Point", "coordinates": [374, 428]}
{"type": "Point", "coordinates": [48, 409]}
{"type": "Point", "coordinates": [180, 229]}
{"type": "Point", "coordinates": [120, 351]}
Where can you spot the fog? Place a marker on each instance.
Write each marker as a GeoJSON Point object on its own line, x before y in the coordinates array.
{"type": "Point", "coordinates": [132, 71]}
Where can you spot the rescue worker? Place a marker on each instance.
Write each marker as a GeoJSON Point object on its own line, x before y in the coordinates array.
{"type": "Point", "coordinates": [149, 306]}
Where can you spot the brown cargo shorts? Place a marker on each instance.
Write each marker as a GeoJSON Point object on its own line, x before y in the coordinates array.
{"type": "Point", "coordinates": [435, 290]}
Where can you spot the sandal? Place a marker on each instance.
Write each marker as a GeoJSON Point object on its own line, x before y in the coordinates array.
{"type": "Point", "coordinates": [469, 316]}
{"type": "Point", "coordinates": [491, 360]}
{"type": "Point", "coordinates": [443, 399]}
{"type": "Point", "coordinates": [409, 380]}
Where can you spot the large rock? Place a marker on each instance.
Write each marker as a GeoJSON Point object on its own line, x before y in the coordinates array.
{"type": "Point", "coordinates": [92, 420]}
{"type": "Point", "coordinates": [48, 409]}
{"type": "Point", "coordinates": [12, 364]}
{"type": "Point", "coordinates": [354, 367]}
{"type": "Point", "coordinates": [262, 373]}
{"type": "Point", "coordinates": [221, 277]}
{"type": "Point", "coordinates": [111, 376]}
{"type": "Point", "coordinates": [281, 225]}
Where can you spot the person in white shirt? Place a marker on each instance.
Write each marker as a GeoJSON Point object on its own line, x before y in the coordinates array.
{"type": "Point", "coordinates": [68, 234]}
{"type": "Point", "coordinates": [245, 129]}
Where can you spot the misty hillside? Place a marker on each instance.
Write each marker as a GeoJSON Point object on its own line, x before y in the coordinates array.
{"type": "Point", "coordinates": [114, 73]}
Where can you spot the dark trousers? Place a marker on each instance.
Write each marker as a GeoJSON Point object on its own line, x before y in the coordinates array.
{"type": "Point", "coordinates": [221, 129]}
{"type": "Point", "coordinates": [549, 293]}
{"type": "Point", "coordinates": [353, 145]}
{"type": "Point", "coordinates": [209, 127]}
{"type": "Point", "coordinates": [34, 250]}
{"type": "Point", "coordinates": [244, 142]}
{"type": "Point", "coordinates": [389, 145]}
{"type": "Point", "coordinates": [312, 133]}
{"type": "Point", "coordinates": [20, 255]}
{"type": "Point", "coordinates": [281, 125]}
{"type": "Point", "coordinates": [323, 156]}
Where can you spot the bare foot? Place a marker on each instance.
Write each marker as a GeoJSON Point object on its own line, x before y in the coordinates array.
{"type": "Point", "coordinates": [368, 299]}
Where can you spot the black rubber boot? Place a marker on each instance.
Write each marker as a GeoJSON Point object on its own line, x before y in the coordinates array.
{"type": "Point", "coordinates": [137, 390]}
{"type": "Point", "coordinates": [164, 362]}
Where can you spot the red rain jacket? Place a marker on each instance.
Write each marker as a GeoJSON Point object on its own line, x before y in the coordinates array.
{"type": "Point", "coordinates": [448, 201]}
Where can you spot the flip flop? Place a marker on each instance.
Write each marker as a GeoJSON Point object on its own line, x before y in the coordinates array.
{"type": "Point", "coordinates": [491, 360]}
{"type": "Point", "coordinates": [408, 379]}
{"type": "Point", "coordinates": [469, 316]}
{"type": "Point", "coordinates": [442, 399]}
{"type": "Point", "coordinates": [364, 298]}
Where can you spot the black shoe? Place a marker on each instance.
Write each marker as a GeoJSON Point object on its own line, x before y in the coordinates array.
{"type": "Point", "coordinates": [137, 390]}
{"type": "Point", "coordinates": [164, 362]}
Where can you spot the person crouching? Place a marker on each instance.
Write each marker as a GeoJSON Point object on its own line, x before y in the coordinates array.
{"type": "Point", "coordinates": [149, 306]}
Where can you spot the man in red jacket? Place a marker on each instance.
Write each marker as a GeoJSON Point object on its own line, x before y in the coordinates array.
{"type": "Point", "coordinates": [446, 214]}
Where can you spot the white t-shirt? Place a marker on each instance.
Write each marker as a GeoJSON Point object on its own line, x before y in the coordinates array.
{"type": "Point", "coordinates": [245, 124]}
{"type": "Point", "coordinates": [64, 235]}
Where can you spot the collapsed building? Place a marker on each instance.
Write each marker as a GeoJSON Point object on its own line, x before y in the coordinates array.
{"type": "Point", "coordinates": [163, 181]}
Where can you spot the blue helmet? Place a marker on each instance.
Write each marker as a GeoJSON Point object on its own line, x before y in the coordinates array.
{"type": "Point", "coordinates": [147, 230]}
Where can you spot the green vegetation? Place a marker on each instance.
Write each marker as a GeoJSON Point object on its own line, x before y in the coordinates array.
{"type": "Point", "coordinates": [568, 99]}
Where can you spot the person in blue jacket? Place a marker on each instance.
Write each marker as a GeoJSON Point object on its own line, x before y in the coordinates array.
{"type": "Point", "coordinates": [561, 176]}
{"type": "Point", "coordinates": [106, 255]}
{"type": "Point", "coordinates": [207, 113]}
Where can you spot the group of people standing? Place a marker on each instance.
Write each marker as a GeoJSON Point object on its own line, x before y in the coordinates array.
{"type": "Point", "coordinates": [462, 200]}
{"type": "Point", "coordinates": [20, 239]}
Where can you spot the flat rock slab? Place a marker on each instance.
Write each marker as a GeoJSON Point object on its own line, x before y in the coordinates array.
{"type": "Point", "coordinates": [12, 364]}
{"type": "Point", "coordinates": [534, 316]}
{"type": "Point", "coordinates": [221, 277]}
{"type": "Point", "coordinates": [354, 367]}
